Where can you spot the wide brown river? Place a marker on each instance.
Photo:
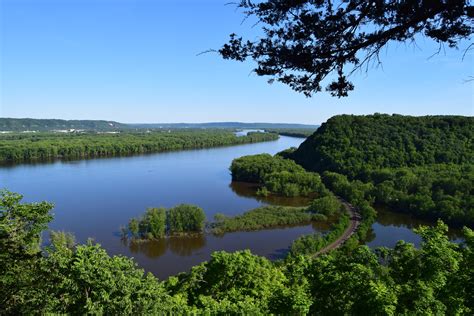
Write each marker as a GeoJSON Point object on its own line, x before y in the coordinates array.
{"type": "Point", "coordinates": [93, 198]}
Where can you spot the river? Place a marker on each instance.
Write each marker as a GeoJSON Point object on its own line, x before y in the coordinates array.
{"type": "Point", "coordinates": [93, 198]}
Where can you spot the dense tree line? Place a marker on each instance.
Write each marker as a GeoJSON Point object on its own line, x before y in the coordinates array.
{"type": "Point", "coordinates": [254, 168]}
{"type": "Point", "coordinates": [354, 145]}
{"type": "Point", "coordinates": [419, 165]}
{"type": "Point", "coordinates": [436, 278]}
{"type": "Point", "coordinates": [443, 191]}
{"type": "Point", "coordinates": [47, 146]}
{"type": "Point", "coordinates": [276, 175]}
{"type": "Point", "coordinates": [434, 191]}
{"type": "Point", "coordinates": [158, 222]}
{"type": "Point", "coordinates": [288, 183]}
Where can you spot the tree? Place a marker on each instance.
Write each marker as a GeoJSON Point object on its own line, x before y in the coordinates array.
{"type": "Point", "coordinates": [424, 275]}
{"type": "Point", "coordinates": [86, 280]}
{"type": "Point", "coordinates": [185, 218]}
{"type": "Point", "coordinates": [306, 41]}
{"type": "Point", "coordinates": [240, 283]}
{"type": "Point", "coordinates": [133, 227]}
{"type": "Point", "coordinates": [62, 238]}
{"type": "Point", "coordinates": [355, 285]}
{"type": "Point", "coordinates": [327, 205]}
{"type": "Point", "coordinates": [20, 227]}
{"type": "Point", "coordinates": [153, 223]}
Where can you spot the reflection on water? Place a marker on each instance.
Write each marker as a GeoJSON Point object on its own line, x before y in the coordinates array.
{"type": "Point", "coordinates": [187, 245]}
{"type": "Point", "coordinates": [249, 190]}
{"type": "Point", "coordinates": [179, 245]}
{"type": "Point", "coordinates": [322, 226]}
{"type": "Point", "coordinates": [389, 218]}
{"type": "Point", "coordinates": [391, 227]}
{"type": "Point", "coordinates": [170, 256]}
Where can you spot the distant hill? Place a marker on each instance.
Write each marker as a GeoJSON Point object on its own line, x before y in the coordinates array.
{"type": "Point", "coordinates": [28, 124]}
{"type": "Point", "coordinates": [236, 125]}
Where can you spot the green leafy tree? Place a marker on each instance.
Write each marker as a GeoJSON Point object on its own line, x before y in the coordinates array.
{"type": "Point", "coordinates": [327, 205]}
{"type": "Point", "coordinates": [153, 223]}
{"type": "Point", "coordinates": [86, 280]}
{"type": "Point", "coordinates": [20, 227]}
{"type": "Point", "coordinates": [306, 41]}
{"type": "Point", "coordinates": [423, 274]}
{"type": "Point", "coordinates": [239, 280]}
{"type": "Point", "coordinates": [134, 227]}
{"type": "Point", "coordinates": [255, 168]}
{"type": "Point", "coordinates": [185, 218]}
{"type": "Point", "coordinates": [62, 238]}
{"type": "Point", "coordinates": [352, 285]}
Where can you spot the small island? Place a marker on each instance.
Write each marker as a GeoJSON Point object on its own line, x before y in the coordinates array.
{"type": "Point", "coordinates": [276, 175]}
{"type": "Point", "coordinates": [156, 223]}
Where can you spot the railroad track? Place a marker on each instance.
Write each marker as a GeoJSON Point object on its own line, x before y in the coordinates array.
{"type": "Point", "coordinates": [354, 223]}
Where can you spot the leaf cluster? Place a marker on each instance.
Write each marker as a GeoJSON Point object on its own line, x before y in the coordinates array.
{"type": "Point", "coordinates": [306, 42]}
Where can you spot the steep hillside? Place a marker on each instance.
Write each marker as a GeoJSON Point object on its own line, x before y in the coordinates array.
{"type": "Point", "coordinates": [417, 165]}
{"type": "Point", "coordinates": [353, 145]}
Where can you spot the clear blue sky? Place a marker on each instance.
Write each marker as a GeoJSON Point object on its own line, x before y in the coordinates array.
{"type": "Point", "coordinates": [135, 61]}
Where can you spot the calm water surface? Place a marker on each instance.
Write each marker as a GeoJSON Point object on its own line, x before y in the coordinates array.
{"type": "Point", "coordinates": [93, 198]}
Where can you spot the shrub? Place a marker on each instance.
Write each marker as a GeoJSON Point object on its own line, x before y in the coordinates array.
{"type": "Point", "coordinates": [185, 218]}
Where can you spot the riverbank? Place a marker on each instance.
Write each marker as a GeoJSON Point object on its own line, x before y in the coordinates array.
{"type": "Point", "coordinates": [24, 148]}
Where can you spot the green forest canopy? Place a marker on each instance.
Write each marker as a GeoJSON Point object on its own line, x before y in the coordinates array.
{"type": "Point", "coordinates": [276, 175]}
{"type": "Point", "coordinates": [355, 144]}
{"type": "Point", "coordinates": [19, 148]}
{"type": "Point", "coordinates": [419, 165]}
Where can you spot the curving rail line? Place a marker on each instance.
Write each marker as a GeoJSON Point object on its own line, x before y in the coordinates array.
{"type": "Point", "coordinates": [354, 223]}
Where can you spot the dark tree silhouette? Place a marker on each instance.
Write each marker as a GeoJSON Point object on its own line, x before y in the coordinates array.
{"type": "Point", "coordinates": [306, 40]}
